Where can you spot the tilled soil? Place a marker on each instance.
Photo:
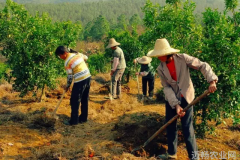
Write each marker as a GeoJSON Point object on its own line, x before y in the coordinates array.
{"type": "Point", "coordinates": [113, 130]}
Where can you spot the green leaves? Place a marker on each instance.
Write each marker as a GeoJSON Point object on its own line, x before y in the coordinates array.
{"type": "Point", "coordinates": [135, 20]}
{"type": "Point", "coordinates": [221, 51]}
{"type": "Point", "coordinates": [99, 29]}
{"type": "Point", "coordinates": [3, 69]}
{"type": "Point", "coordinates": [98, 64]}
{"type": "Point", "coordinates": [178, 25]}
{"type": "Point", "coordinates": [231, 4]}
{"type": "Point", "coordinates": [30, 44]}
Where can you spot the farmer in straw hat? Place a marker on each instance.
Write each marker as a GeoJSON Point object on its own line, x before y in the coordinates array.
{"type": "Point", "coordinates": [76, 69]}
{"type": "Point", "coordinates": [148, 73]}
{"type": "Point", "coordinates": [118, 67]}
{"type": "Point", "coordinates": [179, 92]}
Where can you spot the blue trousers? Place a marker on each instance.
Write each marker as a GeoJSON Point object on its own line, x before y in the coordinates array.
{"type": "Point", "coordinates": [150, 82]}
{"type": "Point", "coordinates": [80, 94]}
{"type": "Point", "coordinates": [187, 128]}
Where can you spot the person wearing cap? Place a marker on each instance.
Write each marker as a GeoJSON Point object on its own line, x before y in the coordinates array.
{"type": "Point", "coordinates": [148, 73]}
{"type": "Point", "coordinates": [77, 69]}
{"type": "Point", "coordinates": [118, 67]}
{"type": "Point", "coordinates": [179, 92]}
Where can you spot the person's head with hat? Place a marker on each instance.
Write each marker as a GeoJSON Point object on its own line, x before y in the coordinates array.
{"type": "Point", "coordinates": [112, 44]}
{"type": "Point", "coordinates": [143, 60]}
{"type": "Point", "coordinates": [162, 50]}
{"type": "Point", "coordinates": [145, 63]}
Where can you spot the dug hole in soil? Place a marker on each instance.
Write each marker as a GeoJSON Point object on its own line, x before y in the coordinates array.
{"type": "Point", "coordinates": [134, 129]}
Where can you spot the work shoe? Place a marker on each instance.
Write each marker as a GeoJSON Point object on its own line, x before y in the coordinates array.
{"type": "Point", "coordinates": [167, 156]}
{"type": "Point", "coordinates": [81, 120]}
{"type": "Point", "coordinates": [67, 123]}
{"type": "Point", "coordinates": [150, 98]}
{"type": "Point", "coordinates": [117, 97]}
{"type": "Point", "coordinates": [109, 97]}
{"type": "Point", "coordinates": [144, 98]}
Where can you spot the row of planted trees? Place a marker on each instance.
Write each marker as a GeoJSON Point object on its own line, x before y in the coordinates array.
{"type": "Point", "coordinates": [29, 42]}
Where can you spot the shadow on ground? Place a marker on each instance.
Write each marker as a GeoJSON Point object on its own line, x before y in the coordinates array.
{"type": "Point", "coordinates": [134, 129]}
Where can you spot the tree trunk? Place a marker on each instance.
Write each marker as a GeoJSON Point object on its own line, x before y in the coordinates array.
{"type": "Point", "coordinates": [42, 93]}
{"type": "Point", "coordinates": [204, 120]}
{"type": "Point", "coordinates": [128, 76]}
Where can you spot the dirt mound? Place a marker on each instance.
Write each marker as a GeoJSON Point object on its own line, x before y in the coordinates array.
{"type": "Point", "coordinates": [5, 88]}
{"type": "Point", "coordinates": [235, 127]}
{"type": "Point", "coordinates": [234, 142]}
{"type": "Point", "coordinates": [40, 120]}
{"type": "Point", "coordinates": [45, 154]}
{"type": "Point", "coordinates": [104, 89]}
{"type": "Point", "coordinates": [18, 116]}
{"type": "Point", "coordinates": [101, 79]}
{"type": "Point", "coordinates": [133, 130]}
{"type": "Point", "coordinates": [125, 88]}
{"type": "Point", "coordinates": [54, 95]}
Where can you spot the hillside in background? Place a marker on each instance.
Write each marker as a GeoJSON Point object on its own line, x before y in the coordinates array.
{"type": "Point", "coordinates": [87, 10]}
{"type": "Point", "coordinates": [50, 1]}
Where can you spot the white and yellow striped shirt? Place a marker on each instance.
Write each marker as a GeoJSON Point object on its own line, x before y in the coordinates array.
{"type": "Point", "coordinates": [76, 68]}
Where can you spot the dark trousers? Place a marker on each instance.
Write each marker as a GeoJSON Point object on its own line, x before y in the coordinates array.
{"type": "Point", "coordinates": [187, 127]}
{"type": "Point", "coordinates": [150, 82]}
{"type": "Point", "coordinates": [80, 94]}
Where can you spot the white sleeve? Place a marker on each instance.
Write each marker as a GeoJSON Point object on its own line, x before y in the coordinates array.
{"type": "Point", "coordinates": [83, 55]}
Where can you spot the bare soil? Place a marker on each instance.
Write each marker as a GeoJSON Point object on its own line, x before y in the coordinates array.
{"type": "Point", "coordinates": [113, 128]}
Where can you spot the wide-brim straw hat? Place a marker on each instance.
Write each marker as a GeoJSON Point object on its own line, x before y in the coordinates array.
{"type": "Point", "coordinates": [162, 48]}
{"type": "Point", "coordinates": [112, 43]}
{"type": "Point", "coordinates": [144, 60]}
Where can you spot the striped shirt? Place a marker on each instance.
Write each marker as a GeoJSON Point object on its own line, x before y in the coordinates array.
{"type": "Point", "coordinates": [76, 68]}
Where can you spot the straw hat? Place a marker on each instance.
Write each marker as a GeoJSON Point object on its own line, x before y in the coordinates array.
{"type": "Point", "coordinates": [144, 60]}
{"type": "Point", "coordinates": [162, 48]}
{"type": "Point", "coordinates": [112, 43]}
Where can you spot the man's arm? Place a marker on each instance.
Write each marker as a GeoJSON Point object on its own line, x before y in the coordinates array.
{"type": "Point", "coordinates": [143, 74]}
{"type": "Point", "coordinates": [69, 81]}
{"type": "Point", "coordinates": [204, 67]}
{"type": "Point", "coordinates": [115, 63]}
{"type": "Point", "coordinates": [116, 56]}
{"type": "Point", "coordinates": [83, 55]}
{"type": "Point", "coordinates": [85, 58]}
{"type": "Point", "coordinates": [69, 78]}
